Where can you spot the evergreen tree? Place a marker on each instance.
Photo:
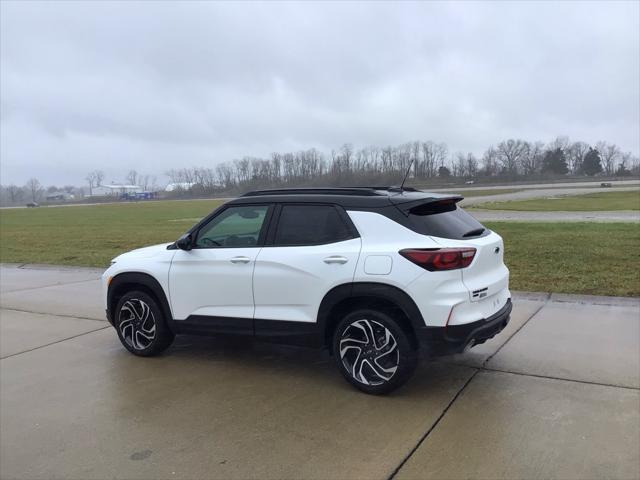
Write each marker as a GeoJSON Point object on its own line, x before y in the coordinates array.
{"type": "Point", "coordinates": [444, 171]}
{"type": "Point", "coordinates": [591, 163]}
{"type": "Point", "coordinates": [555, 162]}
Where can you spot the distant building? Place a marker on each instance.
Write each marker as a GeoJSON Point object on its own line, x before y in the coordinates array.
{"type": "Point", "coordinates": [179, 186]}
{"type": "Point", "coordinates": [115, 190]}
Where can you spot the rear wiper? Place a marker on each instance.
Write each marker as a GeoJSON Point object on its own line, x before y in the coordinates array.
{"type": "Point", "coordinates": [473, 233]}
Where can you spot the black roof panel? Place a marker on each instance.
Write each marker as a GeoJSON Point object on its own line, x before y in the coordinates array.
{"type": "Point", "coordinates": [353, 197]}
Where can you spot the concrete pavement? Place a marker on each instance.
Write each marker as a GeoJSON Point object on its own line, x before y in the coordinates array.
{"type": "Point", "coordinates": [532, 193]}
{"type": "Point", "coordinates": [555, 395]}
{"type": "Point", "coordinates": [537, 186]}
{"type": "Point", "coordinates": [523, 216]}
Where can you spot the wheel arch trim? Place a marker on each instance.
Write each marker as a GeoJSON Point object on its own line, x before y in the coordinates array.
{"type": "Point", "coordinates": [142, 279]}
{"type": "Point", "coordinates": [374, 290]}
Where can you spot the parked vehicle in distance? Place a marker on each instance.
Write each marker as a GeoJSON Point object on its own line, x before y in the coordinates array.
{"type": "Point", "coordinates": [469, 182]}
{"type": "Point", "coordinates": [606, 185]}
{"type": "Point", "coordinates": [32, 204]}
{"type": "Point", "coordinates": [375, 275]}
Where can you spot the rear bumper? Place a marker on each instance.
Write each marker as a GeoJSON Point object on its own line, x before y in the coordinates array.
{"type": "Point", "coordinates": [455, 338]}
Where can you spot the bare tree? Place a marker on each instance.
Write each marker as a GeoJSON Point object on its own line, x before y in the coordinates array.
{"type": "Point", "coordinates": [575, 156]}
{"type": "Point", "coordinates": [132, 177]}
{"type": "Point", "coordinates": [433, 157]}
{"type": "Point", "coordinates": [510, 154]}
{"type": "Point", "coordinates": [94, 179]}
{"type": "Point", "coordinates": [560, 142]}
{"type": "Point", "coordinates": [15, 192]}
{"type": "Point", "coordinates": [609, 153]}
{"type": "Point", "coordinates": [625, 166]}
{"type": "Point", "coordinates": [459, 164]}
{"type": "Point", "coordinates": [34, 188]}
{"type": "Point", "coordinates": [490, 162]}
{"type": "Point", "coordinates": [472, 165]}
{"type": "Point", "coordinates": [531, 161]}
{"type": "Point", "coordinates": [91, 180]}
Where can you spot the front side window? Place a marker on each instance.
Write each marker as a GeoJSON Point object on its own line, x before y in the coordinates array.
{"type": "Point", "coordinates": [310, 225]}
{"type": "Point", "coordinates": [235, 227]}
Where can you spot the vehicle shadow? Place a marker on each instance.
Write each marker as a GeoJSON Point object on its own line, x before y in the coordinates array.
{"type": "Point", "coordinates": [248, 360]}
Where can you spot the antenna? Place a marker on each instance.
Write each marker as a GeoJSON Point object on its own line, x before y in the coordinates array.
{"type": "Point", "coordinates": [406, 174]}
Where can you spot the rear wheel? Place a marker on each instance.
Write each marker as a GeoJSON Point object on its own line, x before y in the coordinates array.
{"type": "Point", "coordinates": [141, 325]}
{"type": "Point", "coordinates": [373, 351]}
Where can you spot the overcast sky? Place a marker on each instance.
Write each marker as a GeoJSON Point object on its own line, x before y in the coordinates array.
{"type": "Point", "coordinates": [151, 86]}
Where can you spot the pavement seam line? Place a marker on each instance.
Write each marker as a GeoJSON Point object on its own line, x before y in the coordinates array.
{"type": "Point", "coordinates": [433, 426]}
{"type": "Point", "coordinates": [546, 301]}
{"type": "Point", "coordinates": [49, 286]}
{"type": "Point", "coordinates": [548, 377]}
{"type": "Point", "coordinates": [65, 315]}
{"type": "Point", "coordinates": [53, 343]}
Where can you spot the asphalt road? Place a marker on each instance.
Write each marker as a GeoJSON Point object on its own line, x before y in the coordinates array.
{"type": "Point", "coordinates": [556, 395]}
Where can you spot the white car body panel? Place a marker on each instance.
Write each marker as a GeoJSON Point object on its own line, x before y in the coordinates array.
{"type": "Point", "coordinates": [435, 293]}
{"type": "Point", "coordinates": [212, 282]}
{"type": "Point", "coordinates": [290, 282]}
{"type": "Point", "coordinates": [154, 261]}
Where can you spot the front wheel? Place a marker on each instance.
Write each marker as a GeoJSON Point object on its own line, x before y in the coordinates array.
{"type": "Point", "coordinates": [373, 351]}
{"type": "Point", "coordinates": [141, 325]}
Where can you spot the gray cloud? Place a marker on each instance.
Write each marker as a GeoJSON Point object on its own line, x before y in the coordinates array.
{"type": "Point", "coordinates": [119, 85]}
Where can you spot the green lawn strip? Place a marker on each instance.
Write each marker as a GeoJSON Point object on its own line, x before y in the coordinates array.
{"type": "Point", "coordinates": [93, 235]}
{"type": "Point", "coordinates": [587, 258]}
{"type": "Point", "coordinates": [589, 202]}
{"type": "Point", "coordinates": [583, 258]}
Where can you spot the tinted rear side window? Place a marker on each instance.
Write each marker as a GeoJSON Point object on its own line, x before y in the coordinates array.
{"type": "Point", "coordinates": [310, 225]}
{"type": "Point", "coordinates": [449, 222]}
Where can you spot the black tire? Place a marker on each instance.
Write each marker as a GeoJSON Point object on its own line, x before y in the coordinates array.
{"type": "Point", "coordinates": [141, 325]}
{"type": "Point", "coordinates": [379, 367]}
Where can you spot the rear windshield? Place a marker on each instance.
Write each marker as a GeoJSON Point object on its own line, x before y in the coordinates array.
{"type": "Point", "coordinates": [445, 221]}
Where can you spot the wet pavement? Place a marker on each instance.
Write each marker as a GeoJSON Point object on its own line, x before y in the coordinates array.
{"type": "Point", "coordinates": [555, 395]}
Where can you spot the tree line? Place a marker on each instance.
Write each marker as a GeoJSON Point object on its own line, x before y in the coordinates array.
{"type": "Point", "coordinates": [510, 159]}
{"type": "Point", "coordinates": [431, 162]}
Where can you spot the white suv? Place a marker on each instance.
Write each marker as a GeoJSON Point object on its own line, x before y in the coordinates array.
{"type": "Point", "coordinates": [373, 274]}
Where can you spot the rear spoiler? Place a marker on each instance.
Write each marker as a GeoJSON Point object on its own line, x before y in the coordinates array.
{"type": "Point", "coordinates": [425, 205]}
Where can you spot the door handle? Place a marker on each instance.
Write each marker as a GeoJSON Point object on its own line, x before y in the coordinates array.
{"type": "Point", "coordinates": [240, 260]}
{"type": "Point", "coordinates": [336, 259]}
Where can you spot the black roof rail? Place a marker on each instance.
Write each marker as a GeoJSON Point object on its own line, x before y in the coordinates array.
{"type": "Point", "coordinates": [353, 191]}
{"type": "Point", "coordinates": [357, 191]}
{"type": "Point", "coordinates": [397, 189]}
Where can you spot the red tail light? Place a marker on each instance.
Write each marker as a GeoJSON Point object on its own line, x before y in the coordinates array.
{"type": "Point", "coordinates": [436, 259]}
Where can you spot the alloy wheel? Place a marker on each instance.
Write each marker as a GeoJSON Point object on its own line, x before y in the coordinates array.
{"type": "Point", "coordinates": [137, 324]}
{"type": "Point", "coordinates": [369, 352]}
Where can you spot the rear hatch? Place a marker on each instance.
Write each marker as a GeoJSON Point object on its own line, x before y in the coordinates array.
{"type": "Point", "coordinates": [449, 225]}
{"type": "Point", "coordinates": [487, 275]}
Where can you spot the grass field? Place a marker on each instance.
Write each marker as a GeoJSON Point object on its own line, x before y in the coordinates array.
{"type": "Point", "coordinates": [590, 202]}
{"type": "Point", "coordinates": [588, 258]}
{"type": "Point", "coordinates": [585, 258]}
{"type": "Point", "coordinates": [93, 235]}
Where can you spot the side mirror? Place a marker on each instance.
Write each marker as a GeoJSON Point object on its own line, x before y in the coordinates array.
{"type": "Point", "coordinates": [185, 242]}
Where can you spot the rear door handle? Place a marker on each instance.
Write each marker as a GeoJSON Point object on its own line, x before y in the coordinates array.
{"type": "Point", "coordinates": [336, 259]}
{"type": "Point", "coordinates": [240, 260]}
